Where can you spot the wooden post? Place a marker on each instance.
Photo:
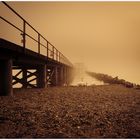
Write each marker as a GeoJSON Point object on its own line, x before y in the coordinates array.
{"type": "Point", "coordinates": [24, 75]}
{"type": "Point", "coordinates": [6, 78]}
{"type": "Point", "coordinates": [64, 75]}
{"type": "Point", "coordinates": [41, 76]}
{"type": "Point", "coordinates": [55, 76]}
{"type": "Point", "coordinates": [61, 76]}
{"type": "Point", "coordinates": [68, 76]}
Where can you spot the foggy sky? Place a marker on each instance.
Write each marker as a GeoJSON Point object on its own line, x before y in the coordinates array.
{"type": "Point", "coordinates": [103, 35]}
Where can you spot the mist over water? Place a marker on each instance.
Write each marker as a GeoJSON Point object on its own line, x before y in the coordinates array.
{"type": "Point", "coordinates": [82, 78]}
{"type": "Point", "coordinates": [85, 79]}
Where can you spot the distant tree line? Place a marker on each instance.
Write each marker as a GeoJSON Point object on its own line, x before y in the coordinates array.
{"type": "Point", "coordinates": [111, 80]}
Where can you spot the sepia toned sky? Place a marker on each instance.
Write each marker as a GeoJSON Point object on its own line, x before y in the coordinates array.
{"type": "Point", "coordinates": [105, 36]}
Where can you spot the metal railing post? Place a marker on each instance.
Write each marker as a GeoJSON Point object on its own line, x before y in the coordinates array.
{"type": "Point", "coordinates": [56, 55]}
{"type": "Point", "coordinates": [53, 52]}
{"type": "Point", "coordinates": [47, 49]}
{"type": "Point", "coordinates": [59, 56]}
{"type": "Point", "coordinates": [24, 35]}
{"type": "Point", "coordinates": [38, 43]}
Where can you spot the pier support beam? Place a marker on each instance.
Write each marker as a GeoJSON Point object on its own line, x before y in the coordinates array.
{"type": "Point", "coordinates": [65, 75]}
{"type": "Point", "coordinates": [6, 77]}
{"type": "Point", "coordinates": [41, 76]}
{"type": "Point", "coordinates": [69, 76]}
{"type": "Point", "coordinates": [61, 76]}
{"type": "Point", "coordinates": [24, 75]}
{"type": "Point", "coordinates": [55, 76]}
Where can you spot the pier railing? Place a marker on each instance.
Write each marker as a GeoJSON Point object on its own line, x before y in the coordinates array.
{"type": "Point", "coordinates": [51, 51]}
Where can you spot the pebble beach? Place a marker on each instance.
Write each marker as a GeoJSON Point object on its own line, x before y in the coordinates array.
{"type": "Point", "coordinates": [103, 111]}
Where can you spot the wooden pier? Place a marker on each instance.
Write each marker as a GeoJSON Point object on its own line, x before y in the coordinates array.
{"type": "Point", "coordinates": [52, 69]}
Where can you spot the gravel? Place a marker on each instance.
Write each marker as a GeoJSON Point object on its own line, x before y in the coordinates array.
{"type": "Point", "coordinates": [105, 111]}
